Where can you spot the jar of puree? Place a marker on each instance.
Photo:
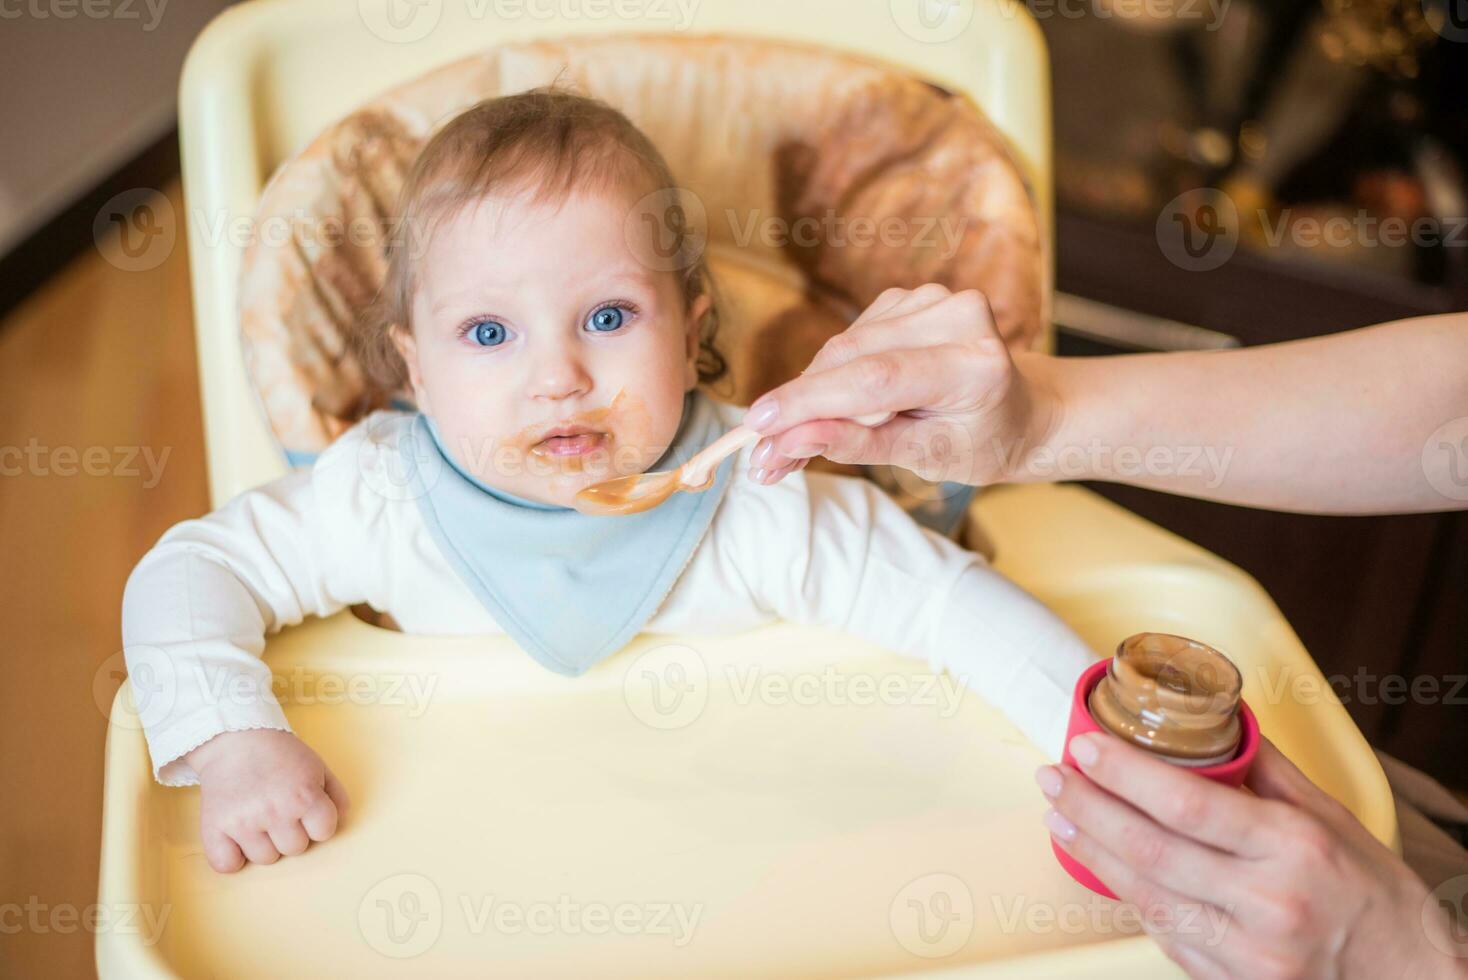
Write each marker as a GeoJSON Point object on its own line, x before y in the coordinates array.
{"type": "Point", "coordinates": [1172, 696]}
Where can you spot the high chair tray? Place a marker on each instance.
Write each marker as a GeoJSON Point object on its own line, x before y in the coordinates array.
{"type": "Point", "coordinates": [782, 802]}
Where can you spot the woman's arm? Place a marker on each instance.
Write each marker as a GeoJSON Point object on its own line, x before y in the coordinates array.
{"type": "Point", "coordinates": [1351, 423]}
{"type": "Point", "coordinates": [1367, 421]}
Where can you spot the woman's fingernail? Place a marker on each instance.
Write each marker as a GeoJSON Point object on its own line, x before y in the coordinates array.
{"type": "Point", "coordinates": [1049, 780]}
{"type": "Point", "coordinates": [1058, 825]}
{"type": "Point", "coordinates": [761, 413]}
{"type": "Point", "coordinates": [1083, 749]}
{"type": "Point", "coordinates": [762, 452]}
{"type": "Point", "coordinates": [758, 476]}
{"type": "Point", "coordinates": [807, 451]}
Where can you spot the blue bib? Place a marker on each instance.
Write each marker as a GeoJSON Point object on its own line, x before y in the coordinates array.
{"type": "Point", "coordinates": [570, 588]}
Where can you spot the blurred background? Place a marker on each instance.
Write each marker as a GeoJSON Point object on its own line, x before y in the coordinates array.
{"type": "Point", "coordinates": [1228, 172]}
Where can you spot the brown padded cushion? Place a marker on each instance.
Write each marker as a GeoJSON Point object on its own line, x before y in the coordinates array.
{"type": "Point", "coordinates": [757, 131]}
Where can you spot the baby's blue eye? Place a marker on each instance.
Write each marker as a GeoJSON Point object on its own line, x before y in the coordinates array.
{"type": "Point", "coordinates": [606, 319]}
{"type": "Point", "coordinates": [488, 333]}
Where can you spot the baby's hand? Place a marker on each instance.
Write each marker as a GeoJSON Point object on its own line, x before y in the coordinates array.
{"type": "Point", "coordinates": [265, 793]}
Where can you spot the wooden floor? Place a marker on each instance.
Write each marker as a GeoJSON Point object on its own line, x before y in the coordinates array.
{"type": "Point", "coordinates": [97, 378]}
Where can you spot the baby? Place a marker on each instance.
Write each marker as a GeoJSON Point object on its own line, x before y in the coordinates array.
{"type": "Point", "coordinates": [550, 342]}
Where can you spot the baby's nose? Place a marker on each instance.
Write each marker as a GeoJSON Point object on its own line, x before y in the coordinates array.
{"type": "Point", "coordinates": [558, 374]}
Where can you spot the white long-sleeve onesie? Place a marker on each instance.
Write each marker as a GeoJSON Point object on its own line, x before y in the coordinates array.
{"type": "Point", "coordinates": [815, 548]}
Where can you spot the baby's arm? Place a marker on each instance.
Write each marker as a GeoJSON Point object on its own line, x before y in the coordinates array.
{"type": "Point", "coordinates": [838, 552]}
{"type": "Point", "coordinates": [196, 611]}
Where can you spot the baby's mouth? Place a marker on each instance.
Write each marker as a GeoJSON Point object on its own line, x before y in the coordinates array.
{"type": "Point", "coordinates": [575, 442]}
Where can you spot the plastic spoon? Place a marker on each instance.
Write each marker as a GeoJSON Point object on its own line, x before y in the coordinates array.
{"type": "Point", "coordinates": [644, 491]}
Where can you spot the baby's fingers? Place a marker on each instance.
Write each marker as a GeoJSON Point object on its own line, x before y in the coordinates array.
{"type": "Point", "coordinates": [321, 819]}
{"type": "Point", "coordinates": [337, 792]}
{"type": "Point", "coordinates": [289, 837]}
{"type": "Point", "coordinates": [257, 846]}
{"type": "Point", "coordinates": [222, 853]}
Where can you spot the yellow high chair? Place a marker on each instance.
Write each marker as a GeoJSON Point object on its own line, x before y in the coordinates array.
{"type": "Point", "coordinates": [653, 817]}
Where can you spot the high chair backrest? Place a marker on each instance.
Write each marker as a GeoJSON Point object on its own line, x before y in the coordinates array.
{"type": "Point", "coordinates": [266, 78]}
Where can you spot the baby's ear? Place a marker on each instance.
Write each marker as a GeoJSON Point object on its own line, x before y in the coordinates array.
{"type": "Point", "coordinates": [407, 349]}
{"type": "Point", "coordinates": [698, 311]}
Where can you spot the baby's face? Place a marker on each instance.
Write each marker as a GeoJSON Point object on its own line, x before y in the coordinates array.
{"type": "Point", "coordinates": [546, 354]}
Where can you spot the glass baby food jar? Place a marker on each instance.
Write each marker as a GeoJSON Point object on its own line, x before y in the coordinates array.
{"type": "Point", "coordinates": [1173, 697]}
